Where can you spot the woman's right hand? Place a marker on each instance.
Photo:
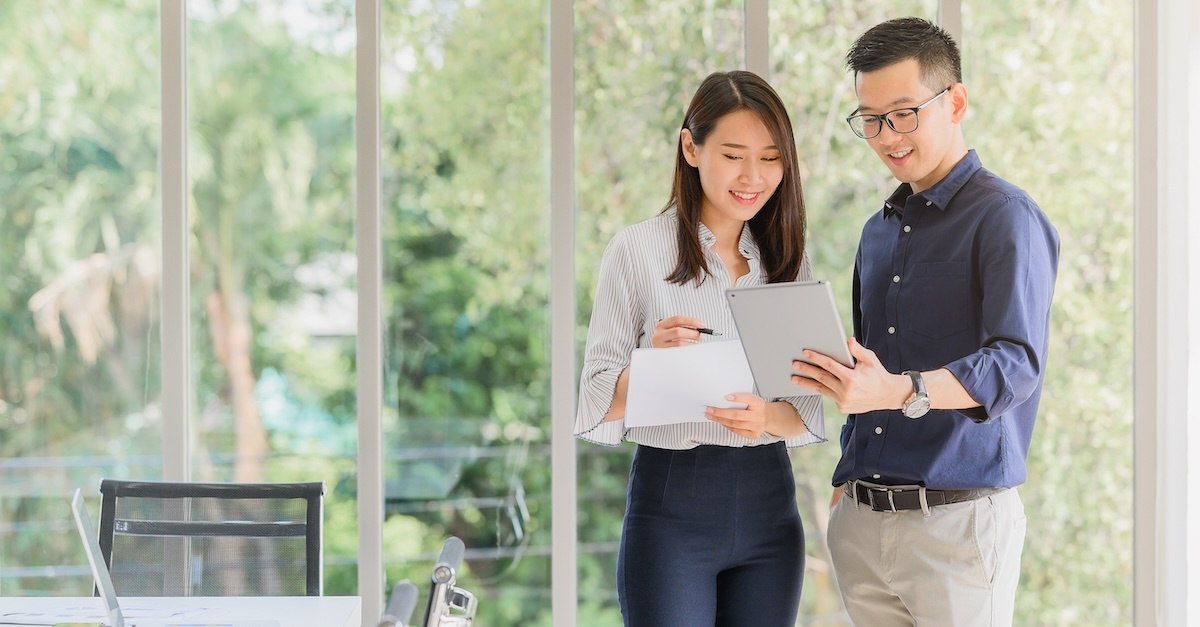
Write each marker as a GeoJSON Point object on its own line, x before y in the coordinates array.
{"type": "Point", "coordinates": [676, 331]}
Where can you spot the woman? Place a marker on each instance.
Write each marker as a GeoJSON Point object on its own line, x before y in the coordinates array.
{"type": "Point", "coordinates": [711, 535]}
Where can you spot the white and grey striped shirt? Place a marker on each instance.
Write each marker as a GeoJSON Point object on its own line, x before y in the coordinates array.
{"type": "Point", "coordinates": [632, 295]}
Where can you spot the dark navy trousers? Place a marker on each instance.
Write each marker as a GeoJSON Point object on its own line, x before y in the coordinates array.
{"type": "Point", "coordinates": [712, 536]}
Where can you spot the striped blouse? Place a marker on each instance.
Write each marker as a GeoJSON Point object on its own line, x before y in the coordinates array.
{"type": "Point", "coordinates": [632, 295]}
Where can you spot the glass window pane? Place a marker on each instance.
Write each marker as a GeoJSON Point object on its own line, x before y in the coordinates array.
{"type": "Point", "coordinates": [465, 114]}
{"type": "Point", "coordinates": [1013, 55]}
{"type": "Point", "coordinates": [79, 240]}
{"type": "Point", "coordinates": [634, 79]}
{"type": "Point", "coordinates": [1052, 110]}
{"type": "Point", "coordinates": [843, 183]}
{"type": "Point", "coordinates": [271, 163]}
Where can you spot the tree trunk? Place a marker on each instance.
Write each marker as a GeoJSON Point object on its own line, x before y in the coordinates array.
{"type": "Point", "coordinates": [229, 322]}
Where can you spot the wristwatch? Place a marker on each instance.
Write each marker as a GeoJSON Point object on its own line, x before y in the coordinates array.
{"type": "Point", "coordinates": [917, 404]}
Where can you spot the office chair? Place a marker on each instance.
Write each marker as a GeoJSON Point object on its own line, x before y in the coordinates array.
{"type": "Point", "coordinates": [212, 539]}
{"type": "Point", "coordinates": [448, 605]}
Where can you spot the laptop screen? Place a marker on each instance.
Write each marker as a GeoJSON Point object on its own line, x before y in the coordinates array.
{"type": "Point", "coordinates": [87, 533]}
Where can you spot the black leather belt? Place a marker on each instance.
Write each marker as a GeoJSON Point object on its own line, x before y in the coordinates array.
{"type": "Point", "coordinates": [895, 498]}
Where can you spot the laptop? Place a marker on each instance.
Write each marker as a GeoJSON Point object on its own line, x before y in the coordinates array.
{"type": "Point", "coordinates": [91, 546]}
{"type": "Point", "coordinates": [114, 615]}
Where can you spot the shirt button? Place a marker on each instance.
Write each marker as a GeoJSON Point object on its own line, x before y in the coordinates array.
{"type": "Point", "coordinates": [891, 330]}
{"type": "Point", "coordinates": [896, 279]}
{"type": "Point", "coordinates": [907, 228]}
{"type": "Point", "coordinates": [878, 430]}
{"type": "Point", "coordinates": [874, 476]}
{"type": "Point", "coordinates": [928, 202]}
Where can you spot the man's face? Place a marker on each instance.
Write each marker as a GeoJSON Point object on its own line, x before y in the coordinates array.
{"type": "Point", "coordinates": [924, 156]}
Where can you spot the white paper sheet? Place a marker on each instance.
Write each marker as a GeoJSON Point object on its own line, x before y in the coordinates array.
{"type": "Point", "coordinates": [674, 385]}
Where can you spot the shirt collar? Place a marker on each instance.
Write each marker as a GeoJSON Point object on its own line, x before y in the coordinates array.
{"type": "Point", "coordinates": [941, 193]}
{"type": "Point", "coordinates": [746, 244]}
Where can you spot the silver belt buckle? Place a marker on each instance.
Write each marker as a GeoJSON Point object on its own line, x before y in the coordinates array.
{"type": "Point", "coordinates": [872, 491]}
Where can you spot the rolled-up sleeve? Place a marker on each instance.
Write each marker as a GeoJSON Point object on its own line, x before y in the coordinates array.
{"type": "Point", "coordinates": [613, 334]}
{"type": "Point", "coordinates": [1017, 265]}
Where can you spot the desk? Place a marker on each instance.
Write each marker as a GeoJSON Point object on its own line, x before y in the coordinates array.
{"type": "Point", "coordinates": [287, 611]}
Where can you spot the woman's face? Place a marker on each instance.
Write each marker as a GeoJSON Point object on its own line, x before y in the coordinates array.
{"type": "Point", "coordinates": [740, 167]}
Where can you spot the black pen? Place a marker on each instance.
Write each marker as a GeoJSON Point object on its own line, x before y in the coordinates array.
{"type": "Point", "coordinates": [705, 330]}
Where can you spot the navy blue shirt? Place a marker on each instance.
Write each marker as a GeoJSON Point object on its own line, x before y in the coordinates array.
{"type": "Point", "coordinates": [959, 276]}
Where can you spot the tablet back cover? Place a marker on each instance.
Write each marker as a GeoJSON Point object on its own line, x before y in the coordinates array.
{"type": "Point", "coordinates": [777, 321]}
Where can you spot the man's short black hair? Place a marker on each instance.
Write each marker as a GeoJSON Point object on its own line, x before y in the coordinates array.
{"type": "Point", "coordinates": [906, 38]}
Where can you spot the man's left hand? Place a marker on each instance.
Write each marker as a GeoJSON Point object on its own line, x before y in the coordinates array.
{"type": "Point", "coordinates": [868, 386]}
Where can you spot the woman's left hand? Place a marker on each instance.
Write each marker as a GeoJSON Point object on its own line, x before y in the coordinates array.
{"type": "Point", "coordinates": [750, 423]}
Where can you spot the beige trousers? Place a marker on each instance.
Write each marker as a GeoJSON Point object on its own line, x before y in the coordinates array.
{"type": "Point", "coordinates": [958, 567]}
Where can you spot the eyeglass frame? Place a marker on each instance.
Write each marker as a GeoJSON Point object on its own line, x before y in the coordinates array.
{"type": "Point", "coordinates": [885, 117]}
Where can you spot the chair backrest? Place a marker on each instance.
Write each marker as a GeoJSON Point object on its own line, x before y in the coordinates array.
{"type": "Point", "coordinates": [212, 539]}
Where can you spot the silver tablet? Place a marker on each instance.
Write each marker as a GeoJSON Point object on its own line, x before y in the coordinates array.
{"type": "Point", "coordinates": [777, 321]}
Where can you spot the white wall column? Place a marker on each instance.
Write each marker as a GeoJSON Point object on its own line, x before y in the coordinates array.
{"type": "Point", "coordinates": [949, 17]}
{"type": "Point", "coordinates": [758, 37]}
{"type": "Point", "coordinates": [1165, 318]}
{"type": "Point", "coordinates": [369, 341]}
{"type": "Point", "coordinates": [564, 534]}
{"type": "Point", "coordinates": [1191, 211]}
{"type": "Point", "coordinates": [176, 353]}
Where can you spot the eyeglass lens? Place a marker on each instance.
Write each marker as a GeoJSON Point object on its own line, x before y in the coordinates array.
{"type": "Point", "coordinates": [904, 121]}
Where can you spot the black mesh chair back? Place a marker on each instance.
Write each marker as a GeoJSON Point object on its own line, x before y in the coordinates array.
{"type": "Point", "coordinates": [212, 539]}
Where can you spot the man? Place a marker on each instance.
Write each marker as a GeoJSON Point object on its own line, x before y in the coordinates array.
{"type": "Point", "coordinates": [952, 287]}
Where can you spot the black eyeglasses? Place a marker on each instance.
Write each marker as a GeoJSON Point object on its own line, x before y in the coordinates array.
{"type": "Point", "coordinates": [901, 120]}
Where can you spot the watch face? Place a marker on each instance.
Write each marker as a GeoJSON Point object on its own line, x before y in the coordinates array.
{"type": "Point", "coordinates": [917, 407]}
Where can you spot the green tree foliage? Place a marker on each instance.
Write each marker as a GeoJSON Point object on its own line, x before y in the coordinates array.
{"type": "Point", "coordinates": [466, 290]}
{"type": "Point", "coordinates": [1052, 110]}
{"type": "Point", "coordinates": [79, 211]}
{"type": "Point", "coordinates": [1031, 69]}
{"type": "Point", "coordinates": [79, 308]}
